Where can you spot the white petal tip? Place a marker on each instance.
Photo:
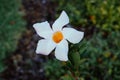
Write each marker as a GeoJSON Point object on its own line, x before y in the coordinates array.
{"type": "Point", "coordinates": [80, 38]}
{"type": "Point", "coordinates": [82, 35]}
{"type": "Point", "coordinates": [39, 24]}
{"type": "Point", "coordinates": [34, 25]}
{"type": "Point", "coordinates": [63, 12]}
{"type": "Point", "coordinates": [62, 20]}
{"type": "Point", "coordinates": [62, 59]}
{"type": "Point", "coordinates": [41, 53]}
{"type": "Point", "coordinates": [72, 35]}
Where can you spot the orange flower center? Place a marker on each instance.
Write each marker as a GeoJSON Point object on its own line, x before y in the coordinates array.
{"type": "Point", "coordinates": [57, 36]}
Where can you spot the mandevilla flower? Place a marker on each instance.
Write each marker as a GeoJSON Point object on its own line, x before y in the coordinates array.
{"type": "Point", "coordinates": [56, 37]}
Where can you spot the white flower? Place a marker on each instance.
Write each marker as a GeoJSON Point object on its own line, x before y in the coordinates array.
{"type": "Point", "coordinates": [56, 38]}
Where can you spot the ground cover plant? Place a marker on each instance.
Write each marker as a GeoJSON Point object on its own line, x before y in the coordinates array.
{"type": "Point", "coordinates": [11, 26]}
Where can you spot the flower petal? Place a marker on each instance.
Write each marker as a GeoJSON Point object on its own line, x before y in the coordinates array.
{"type": "Point", "coordinates": [73, 35]}
{"type": "Point", "coordinates": [45, 46]}
{"type": "Point", "coordinates": [61, 51]}
{"type": "Point", "coordinates": [61, 21]}
{"type": "Point", "coordinates": [43, 29]}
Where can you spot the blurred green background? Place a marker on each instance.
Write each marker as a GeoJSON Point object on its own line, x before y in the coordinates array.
{"type": "Point", "coordinates": [11, 26]}
{"type": "Point", "coordinates": [99, 51]}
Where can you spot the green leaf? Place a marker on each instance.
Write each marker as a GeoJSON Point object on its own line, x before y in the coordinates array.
{"type": "Point", "coordinates": [74, 59]}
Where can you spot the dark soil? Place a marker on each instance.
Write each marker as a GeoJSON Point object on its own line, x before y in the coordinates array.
{"type": "Point", "coordinates": [24, 64]}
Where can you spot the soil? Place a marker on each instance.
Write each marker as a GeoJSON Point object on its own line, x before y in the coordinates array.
{"type": "Point", "coordinates": [24, 63]}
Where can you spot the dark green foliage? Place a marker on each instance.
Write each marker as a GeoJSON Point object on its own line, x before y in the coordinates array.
{"type": "Point", "coordinates": [103, 14]}
{"type": "Point", "coordinates": [102, 57]}
{"type": "Point", "coordinates": [54, 69]}
{"type": "Point", "coordinates": [99, 59]}
{"type": "Point", "coordinates": [11, 26]}
{"type": "Point", "coordinates": [99, 51]}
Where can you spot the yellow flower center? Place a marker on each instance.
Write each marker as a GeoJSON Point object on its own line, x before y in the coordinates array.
{"type": "Point", "coordinates": [57, 36]}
